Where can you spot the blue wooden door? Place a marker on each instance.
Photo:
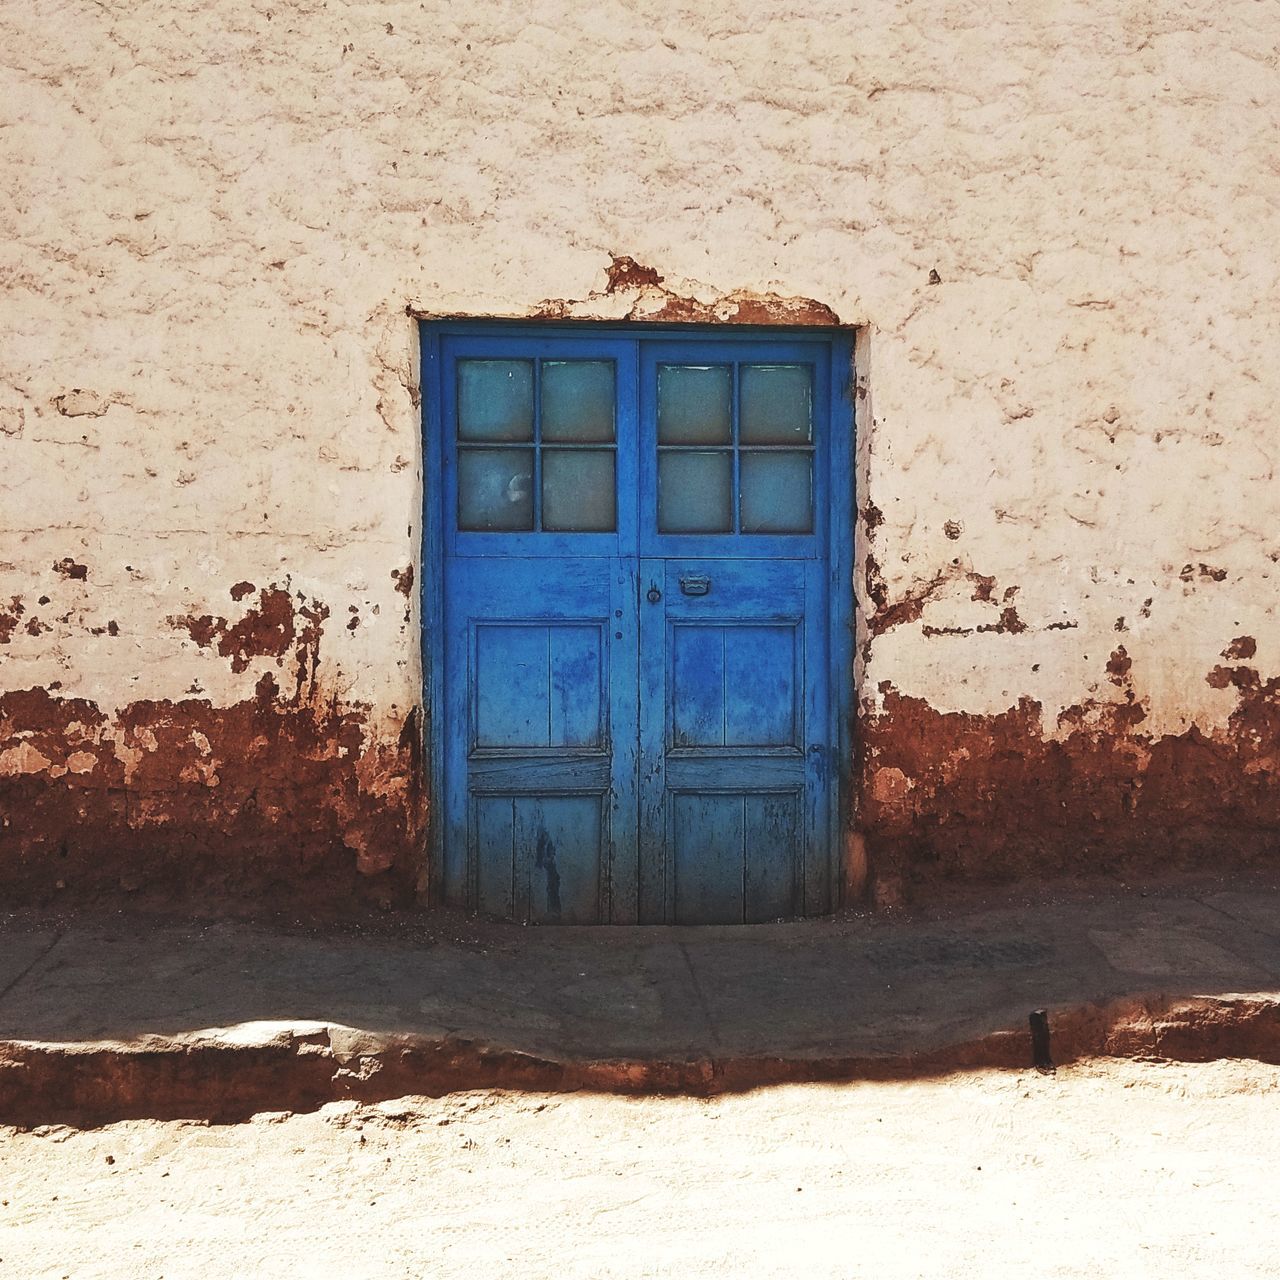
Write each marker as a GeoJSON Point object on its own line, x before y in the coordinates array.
{"type": "Point", "coordinates": [636, 721]}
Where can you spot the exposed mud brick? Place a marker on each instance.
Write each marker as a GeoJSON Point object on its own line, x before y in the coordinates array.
{"type": "Point", "coordinates": [10, 616]}
{"type": "Point", "coordinates": [190, 802]}
{"type": "Point", "coordinates": [265, 630]}
{"type": "Point", "coordinates": [649, 299]}
{"type": "Point", "coordinates": [956, 795]}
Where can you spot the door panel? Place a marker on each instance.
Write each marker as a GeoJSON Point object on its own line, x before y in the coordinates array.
{"type": "Point", "coordinates": [705, 834]}
{"type": "Point", "coordinates": [734, 685]}
{"type": "Point", "coordinates": [773, 822]}
{"type": "Point", "coordinates": [541, 753]}
{"type": "Point", "coordinates": [539, 857]}
{"type": "Point", "coordinates": [734, 855]}
{"type": "Point", "coordinates": [732, 725]}
{"type": "Point", "coordinates": [538, 684]}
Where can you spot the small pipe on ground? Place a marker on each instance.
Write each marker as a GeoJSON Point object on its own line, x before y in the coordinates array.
{"type": "Point", "coordinates": [1040, 1056]}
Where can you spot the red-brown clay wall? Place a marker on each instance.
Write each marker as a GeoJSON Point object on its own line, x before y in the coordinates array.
{"type": "Point", "coordinates": [291, 797]}
{"type": "Point", "coordinates": [957, 796]}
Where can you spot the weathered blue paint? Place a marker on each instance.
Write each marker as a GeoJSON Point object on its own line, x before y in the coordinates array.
{"type": "Point", "coordinates": [637, 722]}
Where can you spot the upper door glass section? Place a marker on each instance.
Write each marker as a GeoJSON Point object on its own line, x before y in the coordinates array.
{"type": "Point", "coordinates": [735, 448]}
{"type": "Point", "coordinates": [537, 446]}
{"type": "Point", "coordinates": [607, 442]}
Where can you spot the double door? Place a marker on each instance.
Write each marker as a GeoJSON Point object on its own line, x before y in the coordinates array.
{"type": "Point", "coordinates": [634, 684]}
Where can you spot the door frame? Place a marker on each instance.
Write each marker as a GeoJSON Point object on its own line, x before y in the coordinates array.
{"type": "Point", "coordinates": [842, 499]}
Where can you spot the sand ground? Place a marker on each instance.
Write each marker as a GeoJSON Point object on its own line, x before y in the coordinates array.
{"type": "Point", "coordinates": [1107, 1169]}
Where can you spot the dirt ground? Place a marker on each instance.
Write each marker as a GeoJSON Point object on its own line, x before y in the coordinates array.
{"type": "Point", "coordinates": [1109, 1169]}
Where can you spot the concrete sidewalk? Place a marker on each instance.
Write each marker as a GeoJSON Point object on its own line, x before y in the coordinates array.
{"type": "Point", "coordinates": [132, 1015]}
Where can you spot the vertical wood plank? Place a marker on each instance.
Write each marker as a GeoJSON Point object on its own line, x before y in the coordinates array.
{"type": "Point", "coordinates": [512, 693]}
{"type": "Point", "coordinates": [495, 855]}
{"type": "Point", "coordinates": [760, 687]}
{"type": "Point", "coordinates": [560, 845]}
{"type": "Point", "coordinates": [697, 685]}
{"type": "Point", "coordinates": [654, 853]}
{"type": "Point", "coordinates": [457, 839]}
{"type": "Point", "coordinates": [575, 685]}
{"type": "Point", "coordinates": [707, 838]}
{"type": "Point", "coordinates": [774, 855]}
{"type": "Point", "coordinates": [621, 872]}
{"type": "Point", "coordinates": [819, 842]}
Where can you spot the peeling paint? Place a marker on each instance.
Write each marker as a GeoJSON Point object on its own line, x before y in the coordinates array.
{"type": "Point", "coordinates": [303, 800]}
{"type": "Point", "coordinates": [911, 606]}
{"type": "Point", "coordinates": [649, 298]}
{"type": "Point", "coordinates": [304, 793]}
{"type": "Point", "coordinates": [1118, 666]}
{"type": "Point", "coordinates": [1241, 647]}
{"type": "Point", "coordinates": [272, 627]}
{"type": "Point", "coordinates": [954, 795]}
{"type": "Point", "coordinates": [79, 403]}
{"type": "Point", "coordinates": [10, 616]}
{"type": "Point", "coordinates": [1206, 571]}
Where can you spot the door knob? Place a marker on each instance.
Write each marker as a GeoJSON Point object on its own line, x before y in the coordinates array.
{"type": "Point", "coordinates": [654, 594]}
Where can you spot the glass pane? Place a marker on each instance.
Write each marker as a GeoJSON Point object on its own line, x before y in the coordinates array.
{"type": "Point", "coordinates": [577, 400]}
{"type": "Point", "coordinates": [777, 493]}
{"type": "Point", "coordinates": [695, 492]}
{"type": "Point", "coordinates": [776, 404]}
{"type": "Point", "coordinates": [577, 489]}
{"type": "Point", "coordinates": [495, 489]}
{"type": "Point", "coordinates": [694, 404]}
{"type": "Point", "coordinates": [495, 400]}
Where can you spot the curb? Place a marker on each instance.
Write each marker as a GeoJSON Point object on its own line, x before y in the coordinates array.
{"type": "Point", "coordinates": [228, 1075]}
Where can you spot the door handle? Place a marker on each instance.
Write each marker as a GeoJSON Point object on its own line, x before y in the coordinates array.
{"type": "Point", "coordinates": [695, 585]}
{"type": "Point", "coordinates": [654, 594]}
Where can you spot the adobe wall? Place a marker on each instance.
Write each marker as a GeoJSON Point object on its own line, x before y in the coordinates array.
{"type": "Point", "coordinates": [1055, 225]}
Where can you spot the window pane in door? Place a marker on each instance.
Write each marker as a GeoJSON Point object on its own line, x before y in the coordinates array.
{"type": "Point", "coordinates": [694, 404]}
{"type": "Point", "coordinates": [578, 490]}
{"type": "Point", "coordinates": [495, 489]}
{"type": "Point", "coordinates": [577, 401]}
{"type": "Point", "coordinates": [695, 491]}
{"type": "Point", "coordinates": [777, 492]}
{"type": "Point", "coordinates": [495, 400]}
{"type": "Point", "coordinates": [777, 404]}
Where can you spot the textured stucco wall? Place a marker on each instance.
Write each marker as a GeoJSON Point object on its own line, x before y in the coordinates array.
{"type": "Point", "coordinates": [1057, 223]}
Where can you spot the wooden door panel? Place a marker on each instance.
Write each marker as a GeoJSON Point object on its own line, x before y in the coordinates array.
{"type": "Point", "coordinates": [735, 684]}
{"type": "Point", "coordinates": [539, 857]}
{"type": "Point", "coordinates": [733, 723]}
{"type": "Point", "coordinates": [706, 835]}
{"type": "Point", "coordinates": [735, 855]}
{"type": "Point", "coordinates": [538, 684]}
{"type": "Point", "coordinates": [541, 755]}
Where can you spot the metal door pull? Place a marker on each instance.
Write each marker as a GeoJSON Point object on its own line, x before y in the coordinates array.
{"type": "Point", "coordinates": [698, 586]}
